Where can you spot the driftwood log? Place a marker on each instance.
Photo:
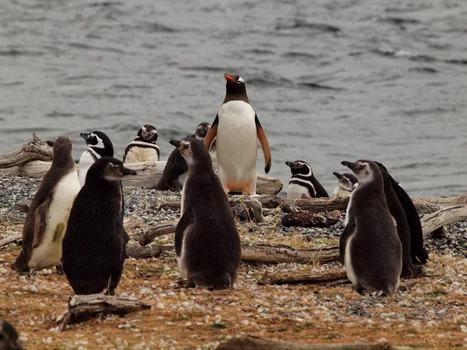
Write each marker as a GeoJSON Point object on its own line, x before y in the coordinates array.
{"type": "Point", "coordinates": [434, 221]}
{"type": "Point", "coordinates": [11, 239]}
{"type": "Point", "coordinates": [256, 343]}
{"type": "Point", "coordinates": [136, 251]}
{"type": "Point", "coordinates": [315, 278]}
{"type": "Point", "coordinates": [84, 307]}
{"type": "Point", "coordinates": [34, 150]}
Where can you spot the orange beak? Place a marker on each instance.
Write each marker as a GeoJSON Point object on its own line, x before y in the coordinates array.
{"type": "Point", "coordinates": [228, 77]}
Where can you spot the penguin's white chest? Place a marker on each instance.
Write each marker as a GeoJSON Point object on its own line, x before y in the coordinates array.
{"type": "Point", "coordinates": [49, 251]}
{"type": "Point", "coordinates": [85, 162]}
{"type": "Point", "coordinates": [142, 152]}
{"type": "Point", "coordinates": [297, 191]}
{"type": "Point", "coordinates": [348, 260]}
{"type": "Point", "coordinates": [236, 144]}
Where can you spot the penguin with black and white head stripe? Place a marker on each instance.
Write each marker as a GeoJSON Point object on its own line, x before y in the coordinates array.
{"type": "Point", "coordinates": [99, 145]}
{"type": "Point", "coordinates": [303, 183]}
{"type": "Point", "coordinates": [144, 147]}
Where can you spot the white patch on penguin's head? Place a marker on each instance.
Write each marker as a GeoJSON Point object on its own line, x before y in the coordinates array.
{"type": "Point", "coordinates": [240, 80]}
{"type": "Point", "coordinates": [363, 171]}
{"type": "Point", "coordinates": [185, 150]}
{"type": "Point", "coordinates": [95, 141]}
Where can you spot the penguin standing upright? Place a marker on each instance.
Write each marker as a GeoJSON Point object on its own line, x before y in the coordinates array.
{"type": "Point", "coordinates": [175, 171]}
{"type": "Point", "coordinates": [369, 246]}
{"type": "Point", "coordinates": [94, 247]}
{"type": "Point", "coordinates": [47, 217]}
{"type": "Point", "coordinates": [418, 251]}
{"type": "Point", "coordinates": [207, 243]}
{"type": "Point", "coordinates": [99, 145]}
{"type": "Point", "coordinates": [237, 130]}
{"type": "Point", "coordinates": [303, 183]}
{"type": "Point", "coordinates": [144, 147]}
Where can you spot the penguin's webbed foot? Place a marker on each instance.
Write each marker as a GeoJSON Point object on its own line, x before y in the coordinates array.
{"type": "Point", "coordinates": [190, 284]}
{"type": "Point", "coordinates": [59, 269]}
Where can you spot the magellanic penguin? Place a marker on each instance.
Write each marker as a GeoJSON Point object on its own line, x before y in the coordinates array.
{"type": "Point", "coordinates": [303, 183]}
{"type": "Point", "coordinates": [207, 243]}
{"type": "Point", "coordinates": [47, 217]}
{"type": "Point", "coordinates": [417, 248]}
{"type": "Point", "coordinates": [403, 231]}
{"type": "Point", "coordinates": [144, 147]}
{"type": "Point", "coordinates": [346, 183]}
{"type": "Point", "coordinates": [237, 130]}
{"type": "Point", "coordinates": [9, 338]}
{"type": "Point", "coordinates": [369, 247]}
{"type": "Point", "coordinates": [99, 145]}
{"type": "Point", "coordinates": [94, 247]}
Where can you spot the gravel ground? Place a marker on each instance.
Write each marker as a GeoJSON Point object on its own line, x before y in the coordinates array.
{"type": "Point", "coordinates": [429, 312]}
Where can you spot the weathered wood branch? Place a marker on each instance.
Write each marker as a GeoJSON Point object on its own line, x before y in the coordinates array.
{"type": "Point", "coordinates": [11, 239]}
{"type": "Point", "coordinates": [34, 150]}
{"type": "Point", "coordinates": [314, 278]}
{"type": "Point", "coordinates": [148, 251]}
{"type": "Point", "coordinates": [432, 222]}
{"type": "Point", "coordinates": [84, 307]}
{"type": "Point", "coordinates": [271, 253]}
{"type": "Point", "coordinates": [311, 219]}
{"type": "Point", "coordinates": [256, 343]}
{"type": "Point", "coordinates": [159, 229]}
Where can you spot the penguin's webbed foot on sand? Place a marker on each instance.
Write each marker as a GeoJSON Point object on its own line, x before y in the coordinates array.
{"type": "Point", "coordinates": [59, 268]}
{"type": "Point", "coordinates": [190, 284]}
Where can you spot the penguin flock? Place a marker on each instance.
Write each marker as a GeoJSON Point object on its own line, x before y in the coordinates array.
{"type": "Point", "coordinates": [75, 221]}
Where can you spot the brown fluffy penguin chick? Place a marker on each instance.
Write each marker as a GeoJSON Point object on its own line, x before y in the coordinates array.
{"type": "Point", "coordinates": [9, 338]}
{"type": "Point", "coordinates": [369, 247]}
{"type": "Point", "coordinates": [207, 243]}
{"type": "Point", "coordinates": [94, 247]}
{"type": "Point", "coordinates": [47, 216]}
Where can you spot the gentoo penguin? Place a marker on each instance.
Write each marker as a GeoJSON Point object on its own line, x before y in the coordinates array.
{"type": "Point", "coordinates": [94, 247]}
{"type": "Point", "coordinates": [303, 183]}
{"type": "Point", "coordinates": [175, 171]}
{"type": "Point", "coordinates": [47, 217]}
{"type": "Point", "coordinates": [207, 243]}
{"type": "Point", "coordinates": [99, 145]}
{"type": "Point", "coordinates": [369, 247]}
{"type": "Point", "coordinates": [403, 231]}
{"type": "Point", "coordinates": [144, 147]}
{"type": "Point", "coordinates": [418, 252]}
{"type": "Point", "coordinates": [9, 338]}
{"type": "Point", "coordinates": [237, 130]}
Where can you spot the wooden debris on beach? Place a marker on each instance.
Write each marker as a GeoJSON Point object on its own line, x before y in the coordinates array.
{"type": "Point", "coordinates": [312, 278]}
{"type": "Point", "coordinates": [33, 150]}
{"type": "Point", "coordinates": [257, 343]}
{"type": "Point", "coordinates": [11, 239]}
{"type": "Point", "coordinates": [85, 307]}
{"type": "Point", "coordinates": [311, 219]}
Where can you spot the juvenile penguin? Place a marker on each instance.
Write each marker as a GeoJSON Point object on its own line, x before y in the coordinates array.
{"type": "Point", "coordinates": [369, 247]}
{"type": "Point", "coordinates": [417, 249]}
{"type": "Point", "coordinates": [94, 247]}
{"type": "Point", "coordinates": [237, 130]}
{"type": "Point", "coordinates": [345, 183]}
{"type": "Point", "coordinates": [175, 171]}
{"type": "Point", "coordinates": [99, 145]}
{"type": "Point", "coordinates": [144, 147]}
{"type": "Point", "coordinates": [47, 217]}
{"type": "Point", "coordinates": [9, 338]}
{"type": "Point", "coordinates": [207, 243]}
{"type": "Point", "coordinates": [303, 183]}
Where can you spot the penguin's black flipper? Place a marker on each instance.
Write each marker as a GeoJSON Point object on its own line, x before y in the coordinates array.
{"type": "Point", "coordinates": [348, 230]}
{"type": "Point", "coordinates": [40, 222]}
{"type": "Point", "coordinates": [212, 133]}
{"type": "Point", "coordinates": [263, 140]}
{"type": "Point", "coordinates": [185, 221]}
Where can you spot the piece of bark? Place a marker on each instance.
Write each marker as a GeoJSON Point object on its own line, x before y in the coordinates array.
{"type": "Point", "coordinates": [256, 343]}
{"type": "Point", "coordinates": [445, 216]}
{"type": "Point", "coordinates": [316, 205]}
{"type": "Point", "coordinates": [148, 251]}
{"type": "Point", "coordinates": [272, 253]}
{"type": "Point", "coordinates": [85, 307]}
{"type": "Point", "coordinates": [309, 219]}
{"type": "Point", "coordinates": [159, 229]}
{"type": "Point", "coordinates": [35, 150]}
{"type": "Point", "coordinates": [314, 278]}
{"type": "Point", "coordinates": [11, 239]}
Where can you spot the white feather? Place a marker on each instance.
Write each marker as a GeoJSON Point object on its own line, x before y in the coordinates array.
{"type": "Point", "coordinates": [49, 253]}
{"type": "Point", "coordinates": [237, 146]}
{"type": "Point", "coordinates": [142, 154]}
{"type": "Point", "coordinates": [85, 162]}
{"type": "Point", "coordinates": [295, 191]}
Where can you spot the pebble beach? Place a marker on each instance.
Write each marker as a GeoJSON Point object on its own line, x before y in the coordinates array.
{"type": "Point", "coordinates": [426, 313]}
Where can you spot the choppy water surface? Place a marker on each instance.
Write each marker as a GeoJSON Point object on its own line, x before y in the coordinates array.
{"type": "Point", "coordinates": [330, 80]}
